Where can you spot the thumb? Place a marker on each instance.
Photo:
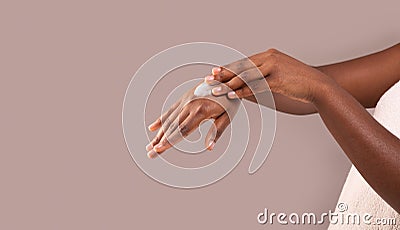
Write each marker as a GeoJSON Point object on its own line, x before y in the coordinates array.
{"type": "Point", "coordinates": [216, 130]}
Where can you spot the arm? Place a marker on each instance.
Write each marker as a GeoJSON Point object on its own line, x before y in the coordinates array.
{"type": "Point", "coordinates": [373, 150]}
{"type": "Point", "coordinates": [365, 78]}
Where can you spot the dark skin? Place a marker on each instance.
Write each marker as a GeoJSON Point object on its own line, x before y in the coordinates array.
{"type": "Point", "coordinates": [338, 92]}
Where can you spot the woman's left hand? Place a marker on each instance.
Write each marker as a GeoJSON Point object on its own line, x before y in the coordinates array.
{"type": "Point", "coordinates": [185, 116]}
{"type": "Point", "coordinates": [284, 75]}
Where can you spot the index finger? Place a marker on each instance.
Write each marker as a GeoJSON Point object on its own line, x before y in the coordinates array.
{"type": "Point", "coordinates": [227, 72]}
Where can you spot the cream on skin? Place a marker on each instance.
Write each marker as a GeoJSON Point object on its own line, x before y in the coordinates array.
{"type": "Point", "coordinates": [203, 90]}
{"type": "Point", "coordinates": [207, 90]}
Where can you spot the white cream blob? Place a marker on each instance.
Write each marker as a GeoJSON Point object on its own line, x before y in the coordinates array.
{"type": "Point", "coordinates": [203, 90]}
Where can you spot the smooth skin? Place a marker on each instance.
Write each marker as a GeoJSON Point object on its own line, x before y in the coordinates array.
{"type": "Point", "coordinates": [339, 93]}
{"type": "Point", "coordinates": [188, 113]}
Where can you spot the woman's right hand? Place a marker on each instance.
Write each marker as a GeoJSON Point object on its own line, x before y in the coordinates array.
{"type": "Point", "coordinates": [270, 71]}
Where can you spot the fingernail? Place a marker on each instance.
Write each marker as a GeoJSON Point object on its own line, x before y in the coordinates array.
{"type": "Point", "coordinates": [149, 147]}
{"type": "Point", "coordinates": [211, 145]}
{"type": "Point", "coordinates": [216, 70]}
{"type": "Point", "coordinates": [209, 78]}
{"type": "Point", "coordinates": [151, 127]}
{"type": "Point", "coordinates": [152, 154]}
{"type": "Point", "coordinates": [217, 90]}
{"type": "Point", "coordinates": [232, 95]}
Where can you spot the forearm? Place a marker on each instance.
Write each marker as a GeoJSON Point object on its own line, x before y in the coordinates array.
{"type": "Point", "coordinates": [283, 104]}
{"type": "Point", "coordinates": [367, 78]}
{"type": "Point", "coordinates": [372, 149]}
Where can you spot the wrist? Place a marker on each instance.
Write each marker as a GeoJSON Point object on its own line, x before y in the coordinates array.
{"type": "Point", "coordinates": [325, 90]}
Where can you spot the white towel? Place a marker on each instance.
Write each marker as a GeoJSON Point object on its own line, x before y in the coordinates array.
{"type": "Point", "coordinates": [357, 194]}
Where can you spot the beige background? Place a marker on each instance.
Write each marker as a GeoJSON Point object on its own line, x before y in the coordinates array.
{"type": "Point", "coordinates": [64, 70]}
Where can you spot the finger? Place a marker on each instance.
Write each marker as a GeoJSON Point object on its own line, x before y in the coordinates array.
{"type": "Point", "coordinates": [241, 80]}
{"type": "Point", "coordinates": [246, 77]}
{"type": "Point", "coordinates": [176, 125]}
{"type": "Point", "coordinates": [220, 89]}
{"type": "Point", "coordinates": [162, 134]}
{"type": "Point", "coordinates": [229, 71]}
{"type": "Point", "coordinates": [252, 88]}
{"type": "Point", "coordinates": [210, 79]}
{"type": "Point", "coordinates": [157, 123]}
{"type": "Point", "coordinates": [155, 140]}
{"type": "Point", "coordinates": [226, 72]}
{"type": "Point", "coordinates": [168, 120]}
{"type": "Point", "coordinates": [216, 130]}
{"type": "Point", "coordinates": [174, 136]}
{"type": "Point", "coordinates": [216, 70]}
{"type": "Point", "coordinates": [164, 126]}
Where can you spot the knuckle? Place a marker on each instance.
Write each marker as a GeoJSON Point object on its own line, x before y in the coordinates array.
{"type": "Point", "coordinates": [241, 64]}
{"type": "Point", "coordinates": [275, 83]}
{"type": "Point", "coordinates": [244, 61]}
{"type": "Point", "coordinates": [272, 51]}
{"type": "Point", "coordinates": [199, 110]}
{"type": "Point", "coordinates": [184, 130]}
{"type": "Point", "coordinates": [220, 76]}
{"type": "Point", "coordinates": [238, 66]}
{"type": "Point", "coordinates": [172, 127]}
{"type": "Point", "coordinates": [257, 73]}
{"type": "Point", "coordinates": [245, 76]}
{"type": "Point", "coordinates": [164, 141]}
{"type": "Point", "coordinates": [167, 120]}
{"type": "Point", "coordinates": [255, 87]}
{"type": "Point", "coordinates": [273, 60]}
{"type": "Point", "coordinates": [155, 140]}
{"type": "Point", "coordinates": [259, 85]}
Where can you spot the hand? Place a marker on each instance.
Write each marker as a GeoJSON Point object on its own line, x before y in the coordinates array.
{"type": "Point", "coordinates": [270, 70]}
{"type": "Point", "coordinates": [186, 115]}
